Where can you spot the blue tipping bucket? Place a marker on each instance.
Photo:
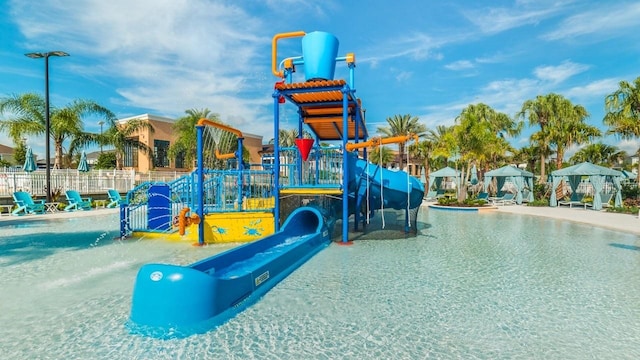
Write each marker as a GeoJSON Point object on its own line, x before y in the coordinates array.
{"type": "Point", "coordinates": [319, 50]}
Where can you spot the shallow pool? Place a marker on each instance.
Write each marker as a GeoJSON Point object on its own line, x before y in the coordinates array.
{"type": "Point", "coordinates": [484, 286]}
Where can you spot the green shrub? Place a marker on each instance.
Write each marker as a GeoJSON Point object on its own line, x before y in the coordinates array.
{"type": "Point", "coordinates": [539, 203]}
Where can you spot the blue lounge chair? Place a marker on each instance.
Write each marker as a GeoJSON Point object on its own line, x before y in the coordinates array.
{"type": "Point", "coordinates": [76, 202]}
{"type": "Point", "coordinates": [114, 198]}
{"type": "Point", "coordinates": [26, 205]}
{"type": "Point", "coordinates": [575, 200]}
{"type": "Point", "coordinates": [506, 199]}
{"type": "Point", "coordinates": [483, 196]}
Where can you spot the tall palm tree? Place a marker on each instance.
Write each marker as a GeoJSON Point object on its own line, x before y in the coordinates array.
{"type": "Point", "coordinates": [623, 111]}
{"type": "Point", "coordinates": [402, 125]}
{"type": "Point", "coordinates": [66, 123]}
{"type": "Point", "coordinates": [561, 123]}
{"type": "Point", "coordinates": [423, 151]}
{"type": "Point", "coordinates": [600, 154]}
{"type": "Point", "coordinates": [123, 137]}
{"type": "Point", "coordinates": [186, 137]}
{"type": "Point", "coordinates": [479, 133]}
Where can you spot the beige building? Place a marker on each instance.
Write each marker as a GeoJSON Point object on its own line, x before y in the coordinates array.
{"type": "Point", "coordinates": [163, 137]}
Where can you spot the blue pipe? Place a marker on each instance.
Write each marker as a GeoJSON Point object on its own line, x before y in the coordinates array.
{"type": "Point", "coordinates": [200, 171]}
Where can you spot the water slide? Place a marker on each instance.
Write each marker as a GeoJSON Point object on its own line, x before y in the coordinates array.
{"type": "Point", "coordinates": [171, 301]}
{"type": "Point", "coordinates": [385, 188]}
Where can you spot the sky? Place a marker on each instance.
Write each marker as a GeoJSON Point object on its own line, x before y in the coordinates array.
{"type": "Point", "coordinates": [424, 58]}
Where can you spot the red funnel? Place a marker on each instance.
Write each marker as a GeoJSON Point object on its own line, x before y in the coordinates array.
{"type": "Point", "coordinates": [304, 146]}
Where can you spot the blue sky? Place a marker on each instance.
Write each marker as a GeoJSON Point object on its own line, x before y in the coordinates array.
{"type": "Point", "coordinates": [424, 58]}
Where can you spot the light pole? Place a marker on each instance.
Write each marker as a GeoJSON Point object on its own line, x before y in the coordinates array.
{"type": "Point", "coordinates": [100, 123]}
{"type": "Point", "coordinates": [46, 55]}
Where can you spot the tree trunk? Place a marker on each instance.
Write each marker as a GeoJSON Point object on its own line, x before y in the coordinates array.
{"type": "Point", "coordinates": [543, 177]}
{"type": "Point", "coordinates": [560, 155]}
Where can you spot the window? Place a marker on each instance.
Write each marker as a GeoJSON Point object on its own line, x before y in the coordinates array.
{"type": "Point", "coordinates": [180, 160]}
{"type": "Point", "coordinates": [130, 154]}
{"type": "Point", "coordinates": [160, 153]}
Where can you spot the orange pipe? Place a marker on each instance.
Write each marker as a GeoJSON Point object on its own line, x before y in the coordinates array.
{"type": "Point", "coordinates": [184, 221]}
{"type": "Point", "coordinates": [274, 50]}
{"type": "Point", "coordinates": [377, 141]}
{"type": "Point", "coordinates": [224, 156]}
{"type": "Point", "coordinates": [208, 122]}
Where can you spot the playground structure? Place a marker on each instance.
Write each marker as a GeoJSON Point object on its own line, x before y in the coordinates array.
{"type": "Point", "coordinates": [239, 203]}
{"type": "Point", "coordinates": [326, 183]}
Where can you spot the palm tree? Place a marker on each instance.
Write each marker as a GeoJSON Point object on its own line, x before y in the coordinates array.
{"type": "Point", "coordinates": [28, 118]}
{"type": "Point", "coordinates": [479, 133]}
{"type": "Point", "coordinates": [561, 123]}
{"type": "Point", "coordinates": [185, 129]}
{"type": "Point", "coordinates": [123, 137]}
{"type": "Point", "coordinates": [623, 111]}
{"type": "Point", "coordinates": [402, 125]}
{"type": "Point", "coordinates": [381, 155]}
{"type": "Point", "coordinates": [600, 154]}
{"type": "Point", "coordinates": [423, 151]}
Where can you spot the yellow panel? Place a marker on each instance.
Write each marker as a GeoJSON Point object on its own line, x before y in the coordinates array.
{"type": "Point", "coordinates": [221, 228]}
{"type": "Point", "coordinates": [238, 226]}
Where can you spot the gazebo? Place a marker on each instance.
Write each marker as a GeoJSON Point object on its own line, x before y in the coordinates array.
{"type": "Point", "coordinates": [598, 175]}
{"type": "Point", "coordinates": [520, 179]}
{"type": "Point", "coordinates": [436, 177]}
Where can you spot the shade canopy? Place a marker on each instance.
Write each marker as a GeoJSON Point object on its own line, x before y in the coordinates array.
{"type": "Point", "coordinates": [29, 163]}
{"type": "Point", "coordinates": [83, 165]}
{"type": "Point", "coordinates": [597, 175]}
{"type": "Point", "coordinates": [436, 177]}
{"type": "Point", "coordinates": [629, 175]}
{"type": "Point", "coordinates": [520, 179]}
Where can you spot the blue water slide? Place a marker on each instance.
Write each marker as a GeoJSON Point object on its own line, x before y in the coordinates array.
{"type": "Point", "coordinates": [171, 301]}
{"type": "Point", "coordinates": [393, 189]}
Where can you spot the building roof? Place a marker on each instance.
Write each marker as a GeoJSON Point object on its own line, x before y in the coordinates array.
{"type": "Point", "coordinates": [147, 117]}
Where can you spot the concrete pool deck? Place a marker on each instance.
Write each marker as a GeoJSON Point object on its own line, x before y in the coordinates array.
{"type": "Point", "coordinates": [57, 215]}
{"type": "Point", "coordinates": [614, 221]}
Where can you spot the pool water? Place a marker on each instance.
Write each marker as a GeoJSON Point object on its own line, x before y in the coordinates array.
{"type": "Point", "coordinates": [472, 286]}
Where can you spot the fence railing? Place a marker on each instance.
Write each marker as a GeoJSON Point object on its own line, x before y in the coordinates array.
{"type": "Point", "coordinates": [92, 182]}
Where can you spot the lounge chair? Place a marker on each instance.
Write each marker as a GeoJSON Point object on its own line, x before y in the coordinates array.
{"type": "Point", "coordinates": [483, 196]}
{"type": "Point", "coordinates": [605, 198]}
{"type": "Point", "coordinates": [575, 200]}
{"type": "Point", "coordinates": [114, 198]}
{"type": "Point", "coordinates": [506, 199]}
{"type": "Point", "coordinates": [26, 205]}
{"type": "Point", "coordinates": [76, 202]}
{"type": "Point", "coordinates": [431, 195]}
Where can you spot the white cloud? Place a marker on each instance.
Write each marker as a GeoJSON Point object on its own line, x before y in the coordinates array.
{"type": "Point", "coordinates": [629, 146]}
{"type": "Point", "coordinates": [173, 55]}
{"type": "Point", "coordinates": [559, 73]}
{"type": "Point", "coordinates": [460, 65]}
{"type": "Point", "coordinates": [495, 20]}
{"type": "Point", "coordinates": [594, 90]}
{"type": "Point", "coordinates": [605, 20]}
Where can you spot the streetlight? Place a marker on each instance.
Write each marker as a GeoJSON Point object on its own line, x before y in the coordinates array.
{"type": "Point", "coordinates": [100, 123]}
{"type": "Point", "coordinates": [47, 125]}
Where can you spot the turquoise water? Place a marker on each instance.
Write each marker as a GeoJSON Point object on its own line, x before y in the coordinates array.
{"type": "Point", "coordinates": [472, 286]}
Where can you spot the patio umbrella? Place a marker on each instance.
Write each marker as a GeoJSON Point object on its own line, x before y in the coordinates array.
{"type": "Point", "coordinates": [83, 165]}
{"type": "Point", "coordinates": [474, 175]}
{"type": "Point", "coordinates": [29, 164]}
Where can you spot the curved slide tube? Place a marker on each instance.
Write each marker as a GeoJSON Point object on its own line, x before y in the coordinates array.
{"type": "Point", "coordinates": [394, 189]}
{"type": "Point", "coordinates": [171, 301]}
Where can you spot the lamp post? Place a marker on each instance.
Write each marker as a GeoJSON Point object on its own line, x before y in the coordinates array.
{"type": "Point", "coordinates": [100, 123]}
{"type": "Point", "coordinates": [46, 55]}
